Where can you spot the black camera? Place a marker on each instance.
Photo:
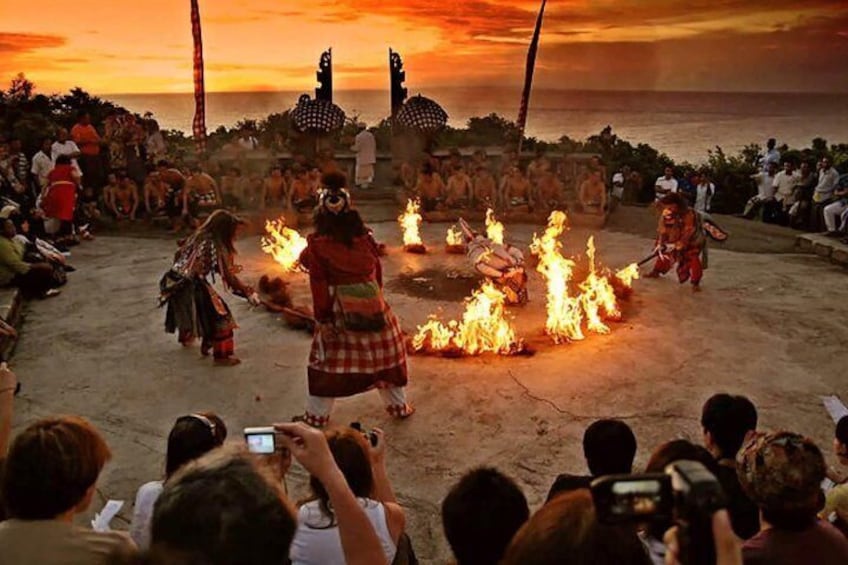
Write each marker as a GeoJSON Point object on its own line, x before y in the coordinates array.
{"type": "Point", "coordinates": [369, 434]}
{"type": "Point", "coordinates": [687, 494]}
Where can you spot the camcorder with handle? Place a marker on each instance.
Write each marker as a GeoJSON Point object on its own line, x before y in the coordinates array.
{"type": "Point", "coordinates": [687, 494]}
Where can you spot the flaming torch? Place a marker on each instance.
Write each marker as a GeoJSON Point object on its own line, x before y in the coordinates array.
{"type": "Point", "coordinates": [494, 229]}
{"type": "Point", "coordinates": [484, 328]}
{"type": "Point", "coordinates": [454, 242]}
{"type": "Point", "coordinates": [410, 224]}
{"type": "Point", "coordinates": [284, 244]}
{"type": "Point", "coordinates": [564, 314]}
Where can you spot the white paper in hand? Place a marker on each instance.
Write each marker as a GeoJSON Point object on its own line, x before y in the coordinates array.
{"type": "Point", "coordinates": [834, 407]}
{"type": "Point", "coordinates": [110, 510]}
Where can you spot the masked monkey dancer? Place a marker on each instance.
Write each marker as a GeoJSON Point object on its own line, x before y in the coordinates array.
{"type": "Point", "coordinates": [680, 239]}
{"type": "Point", "coordinates": [194, 308]}
{"type": "Point", "coordinates": [357, 344]}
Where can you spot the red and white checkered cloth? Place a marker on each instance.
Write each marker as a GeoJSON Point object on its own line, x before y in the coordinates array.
{"type": "Point", "coordinates": [352, 362]}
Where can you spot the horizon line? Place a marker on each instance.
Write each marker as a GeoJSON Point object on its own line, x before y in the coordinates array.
{"type": "Point", "coordinates": [454, 87]}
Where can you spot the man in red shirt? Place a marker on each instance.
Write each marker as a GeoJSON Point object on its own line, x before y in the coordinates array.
{"type": "Point", "coordinates": [88, 140]}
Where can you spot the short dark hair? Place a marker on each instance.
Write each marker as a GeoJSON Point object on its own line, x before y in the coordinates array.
{"type": "Point", "coordinates": [50, 467]}
{"type": "Point", "coordinates": [566, 530]}
{"type": "Point", "coordinates": [480, 515]}
{"type": "Point", "coordinates": [334, 181]}
{"type": "Point", "coordinates": [63, 160]}
{"type": "Point", "coordinates": [191, 437]}
{"type": "Point", "coordinates": [223, 508]}
{"type": "Point", "coordinates": [162, 163]}
{"type": "Point", "coordinates": [609, 447]}
{"type": "Point", "coordinates": [350, 451]}
{"type": "Point", "coordinates": [728, 419]}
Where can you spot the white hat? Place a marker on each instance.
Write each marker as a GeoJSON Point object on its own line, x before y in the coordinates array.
{"type": "Point", "coordinates": [7, 211]}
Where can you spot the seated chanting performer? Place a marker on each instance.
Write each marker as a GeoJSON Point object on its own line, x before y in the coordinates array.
{"type": "Point", "coordinates": [593, 194]}
{"type": "Point", "coordinates": [429, 187]}
{"type": "Point", "coordinates": [459, 189]}
{"type": "Point", "coordinates": [549, 194]}
{"type": "Point", "coordinates": [485, 189]}
{"type": "Point", "coordinates": [302, 198]}
{"type": "Point", "coordinates": [515, 190]}
{"type": "Point", "coordinates": [502, 263]}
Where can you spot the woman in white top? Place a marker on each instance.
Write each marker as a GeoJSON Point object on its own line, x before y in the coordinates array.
{"type": "Point", "coordinates": [361, 458]}
{"type": "Point", "coordinates": [191, 437]}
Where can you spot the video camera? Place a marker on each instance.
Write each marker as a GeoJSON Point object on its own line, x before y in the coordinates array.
{"type": "Point", "coordinates": [687, 494]}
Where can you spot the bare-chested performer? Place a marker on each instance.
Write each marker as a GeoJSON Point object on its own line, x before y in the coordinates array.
{"type": "Point", "coordinates": [515, 190]}
{"type": "Point", "coordinates": [549, 192]}
{"type": "Point", "coordinates": [459, 190]}
{"type": "Point", "coordinates": [155, 195]}
{"type": "Point", "coordinates": [538, 167]}
{"type": "Point", "coordinates": [429, 188]}
{"type": "Point", "coordinates": [485, 189]}
{"type": "Point", "coordinates": [274, 189]}
{"type": "Point", "coordinates": [301, 196]}
{"type": "Point", "coordinates": [593, 194]}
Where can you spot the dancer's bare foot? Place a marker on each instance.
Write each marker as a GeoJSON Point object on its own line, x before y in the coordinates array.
{"type": "Point", "coordinates": [227, 362]}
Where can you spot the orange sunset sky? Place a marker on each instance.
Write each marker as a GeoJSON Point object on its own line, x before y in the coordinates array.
{"type": "Point", "coordinates": [117, 46]}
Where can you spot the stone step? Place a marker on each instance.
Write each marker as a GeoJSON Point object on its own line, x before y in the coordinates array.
{"type": "Point", "coordinates": [823, 246]}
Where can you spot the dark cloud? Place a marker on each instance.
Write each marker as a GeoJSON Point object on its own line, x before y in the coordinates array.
{"type": "Point", "coordinates": [12, 44]}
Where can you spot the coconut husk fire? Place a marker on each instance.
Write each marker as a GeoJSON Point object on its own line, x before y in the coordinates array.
{"type": "Point", "coordinates": [415, 248]}
{"type": "Point", "coordinates": [275, 296]}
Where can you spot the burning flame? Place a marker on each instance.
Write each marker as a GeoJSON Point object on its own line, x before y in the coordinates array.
{"type": "Point", "coordinates": [564, 313]}
{"type": "Point", "coordinates": [628, 274]}
{"type": "Point", "coordinates": [454, 236]}
{"type": "Point", "coordinates": [410, 222]}
{"type": "Point", "coordinates": [597, 296]}
{"type": "Point", "coordinates": [483, 329]}
{"type": "Point", "coordinates": [284, 244]}
{"type": "Point", "coordinates": [494, 229]}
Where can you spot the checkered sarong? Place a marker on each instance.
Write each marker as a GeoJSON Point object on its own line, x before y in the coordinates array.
{"type": "Point", "coordinates": [353, 362]}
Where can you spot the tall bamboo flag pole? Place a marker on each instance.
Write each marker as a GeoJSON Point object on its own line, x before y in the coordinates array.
{"type": "Point", "coordinates": [199, 123]}
{"type": "Point", "coordinates": [528, 76]}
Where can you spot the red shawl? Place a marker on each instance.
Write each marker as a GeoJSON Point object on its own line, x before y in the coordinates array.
{"type": "Point", "coordinates": [61, 196]}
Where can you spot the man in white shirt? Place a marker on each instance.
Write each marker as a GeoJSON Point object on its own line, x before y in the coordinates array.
{"type": "Point", "coordinates": [765, 194]}
{"type": "Point", "coordinates": [365, 147]}
{"type": "Point", "coordinates": [785, 183]}
{"type": "Point", "coordinates": [772, 156]}
{"type": "Point", "coordinates": [704, 193]}
{"type": "Point", "coordinates": [666, 184]}
{"type": "Point", "coordinates": [64, 146]}
{"type": "Point", "coordinates": [836, 213]}
{"type": "Point", "coordinates": [828, 180]}
{"type": "Point", "coordinates": [42, 164]}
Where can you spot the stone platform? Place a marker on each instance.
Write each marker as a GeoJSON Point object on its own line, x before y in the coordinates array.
{"type": "Point", "coordinates": [823, 246]}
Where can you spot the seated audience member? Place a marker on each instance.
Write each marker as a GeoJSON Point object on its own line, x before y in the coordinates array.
{"type": "Point", "coordinates": [593, 194]}
{"type": "Point", "coordinates": [485, 189]}
{"type": "Point", "coordinates": [549, 192]}
{"type": "Point", "coordinates": [785, 183]}
{"type": "Point", "coordinates": [459, 190]}
{"type": "Point", "coordinates": [728, 547]}
{"type": "Point", "coordinates": [42, 164]}
{"type": "Point", "coordinates": [782, 473]}
{"type": "Point", "coordinates": [836, 500]}
{"type": "Point", "coordinates": [122, 198]}
{"type": "Point", "coordinates": [726, 420]}
{"type": "Point", "coordinates": [317, 540]}
{"type": "Point", "coordinates": [801, 211]}
{"type": "Point", "coordinates": [59, 201]}
{"type": "Point", "coordinates": [515, 189]}
{"type": "Point", "coordinates": [37, 250]}
{"type": "Point", "coordinates": [662, 457]}
{"type": "Point", "coordinates": [481, 514]}
{"type": "Point", "coordinates": [274, 189]}
{"type": "Point", "coordinates": [429, 187]}
{"type": "Point", "coordinates": [302, 198]}
{"type": "Point", "coordinates": [225, 508]}
{"type": "Point", "coordinates": [49, 477]}
{"type": "Point", "coordinates": [566, 530]}
{"type": "Point", "coordinates": [35, 280]}
{"type": "Point", "coordinates": [835, 212]}
{"type": "Point", "coordinates": [609, 447]}
{"type": "Point", "coordinates": [665, 184]}
{"type": "Point", "coordinates": [191, 437]}
{"type": "Point", "coordinates": [765, 196]}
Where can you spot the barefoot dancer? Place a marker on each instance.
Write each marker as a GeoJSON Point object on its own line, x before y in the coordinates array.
{"type": "Point", "coordinates": [681, 240]}
{"type": "Point", "coordinates": [194, 308]}
{"type": "Point", "coordinates": [358, 344]}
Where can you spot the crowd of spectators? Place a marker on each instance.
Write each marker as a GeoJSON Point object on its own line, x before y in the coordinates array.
{"type": "Point", "coordinates": [219, 503]}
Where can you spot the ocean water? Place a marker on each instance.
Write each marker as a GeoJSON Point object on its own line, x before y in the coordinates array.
{"type": "Point", "coordinates": [685, 125]}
